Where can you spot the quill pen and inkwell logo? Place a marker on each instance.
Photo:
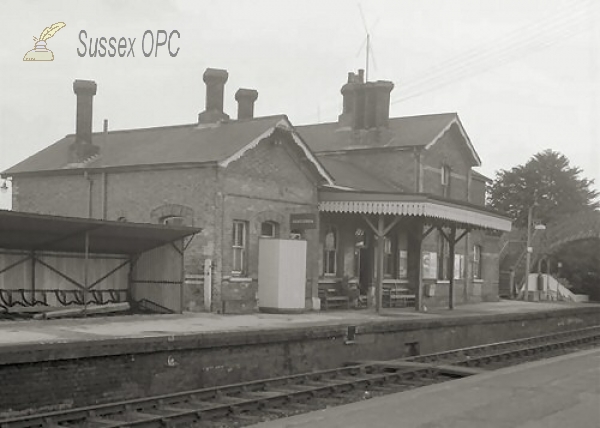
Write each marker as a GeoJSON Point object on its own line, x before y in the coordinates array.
{"type": "Point", "coordinates": [40, 52]}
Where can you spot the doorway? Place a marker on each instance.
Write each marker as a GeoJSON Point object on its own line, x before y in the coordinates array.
{"type": "Point", "coordinates": [363, 261]}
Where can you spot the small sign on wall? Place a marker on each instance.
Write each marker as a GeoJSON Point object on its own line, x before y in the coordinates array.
{"type": "Point", "coordinates": [303, 221]}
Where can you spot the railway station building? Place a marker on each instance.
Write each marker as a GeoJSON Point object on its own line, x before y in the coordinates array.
{"type": "Point", "coordinates": [381, 204]}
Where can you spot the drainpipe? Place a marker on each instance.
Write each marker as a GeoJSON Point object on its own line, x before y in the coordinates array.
{"type": "Point", "coordinates": [86, 175]}
{"type": "Point", "coordinates": [104, 175]}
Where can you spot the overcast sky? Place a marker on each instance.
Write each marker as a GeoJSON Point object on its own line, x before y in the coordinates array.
{"type": "Point", "coordinates": [523, 75]}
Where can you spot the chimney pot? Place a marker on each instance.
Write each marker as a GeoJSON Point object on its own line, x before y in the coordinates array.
{"type": "Point", "coordinates": [246, 99]}
{"type": "Point", "coordinates": [215, 80]}
{"type": "Point", "coordinates": [361, 76]}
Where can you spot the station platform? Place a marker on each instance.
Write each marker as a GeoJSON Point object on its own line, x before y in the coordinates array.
{"type": "Point", "coordinates": [84, 361]}
{"type": "Point", "coordinates": [554, 393]}
{"type": "Point", "coordinates": [45, 332]}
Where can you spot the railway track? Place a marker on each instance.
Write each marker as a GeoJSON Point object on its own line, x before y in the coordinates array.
{"type": "Point", "coordinates": [251, 402]}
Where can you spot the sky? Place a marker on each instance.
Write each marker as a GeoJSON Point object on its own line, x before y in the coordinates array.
{"type": "Point", "coordinates": [523, 75]}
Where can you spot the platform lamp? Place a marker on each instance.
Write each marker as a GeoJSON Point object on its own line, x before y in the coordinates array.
{"type": "Point", "coordinates": [529, 247]}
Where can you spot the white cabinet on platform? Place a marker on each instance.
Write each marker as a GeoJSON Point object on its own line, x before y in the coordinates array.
{"type": "Point", "coordinates": [281, 275]}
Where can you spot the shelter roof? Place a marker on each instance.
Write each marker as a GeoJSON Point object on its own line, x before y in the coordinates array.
{"type": "Point", "coordinates": [39, 232]}
{"type": "Point", "coordinates": [462, 214]}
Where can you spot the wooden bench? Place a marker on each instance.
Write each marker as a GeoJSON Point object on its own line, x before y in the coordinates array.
{"type": "Point", "coordinates": [397, 295]}
{"type": "Point", "coordinates": [332, 296]}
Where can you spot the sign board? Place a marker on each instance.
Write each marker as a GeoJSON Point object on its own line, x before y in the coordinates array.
{"type": "Point", "coordinates": [303, 221]}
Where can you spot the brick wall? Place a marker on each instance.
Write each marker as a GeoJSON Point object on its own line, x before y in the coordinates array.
{"type": "Point", "coordinates": [478, 186]}
{"type": "Point", "coordinates": [449, 150]}
{"type": "Point", "coordinates": [267, 184]}
{"type": "Point", "coordinates": [137, 196]}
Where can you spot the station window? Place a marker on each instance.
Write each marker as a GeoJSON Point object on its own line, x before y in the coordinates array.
{"type": "Point", "coordinates": [240, 239]}
{"type": "Point", "coordinates": [459, 266]}
{"type": "Point", "coordinates": [402, 256]}
{"type": "Point", "coordinates": [388, 257]}
{"type": "Point", "coordinates": [446, 175]}
{"type": "Point", "coordinates": [269, 229]}
{"type": "Point", "coordinates": [477, 262]}
{"type": "Point", "coordinates": [330, 251]}
{"type": "Point", "coordinates": [443, 258]}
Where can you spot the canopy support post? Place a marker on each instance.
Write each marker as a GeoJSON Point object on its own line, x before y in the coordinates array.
{"type": "Point", "coordinates": [451, 243]}
{"type": "Point", "coordinates": [86, 271]}
{"type": "Point", "coordinates": [415, 239]}
{"type": "Point", "coordinates": [380, 251]}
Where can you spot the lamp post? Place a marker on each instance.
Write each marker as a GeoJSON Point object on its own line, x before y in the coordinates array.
{"type": "Point", "coordinates": [528, 255]}
{"type": "Point", "coordinates": [529, 247]}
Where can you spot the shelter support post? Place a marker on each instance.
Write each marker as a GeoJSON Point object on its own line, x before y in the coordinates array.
{"type": "Point", "coordinates": [415, 239]}
{"type": "Point", "coordinates": [33, 275]}
{"type": "Point", "coordinates": [452, 241]}
{"type": "Point", "coordinates": [182, 276]}
{"type": "Point", "coordinates": [452, 244]}
{"type": "Point", "coordinates": [379, 273]}
{"type": "Point", "coordinates": [381, 230]}
{"type": "Point", "coordinates": [86, 271]}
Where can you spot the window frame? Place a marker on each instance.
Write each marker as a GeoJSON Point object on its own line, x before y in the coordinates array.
{"type": "Point", "coordinates": [275, 229]}
{"type": "Point", "coordinates": [240, 248]}
{"type": "Point", "coordinates": [446, 179]}
{"type": "Point", "coordinates": [388, 257]}
{"type": "Point", "coordinates": [477, 272]}
{"type": "Point", "coordinates": [330, 256]}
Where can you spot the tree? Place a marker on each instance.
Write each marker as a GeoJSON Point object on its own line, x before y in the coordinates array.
{"type": "Point", "coordinates": [547, 180]}
{"type": "Point", "coordinates": [581, 266]}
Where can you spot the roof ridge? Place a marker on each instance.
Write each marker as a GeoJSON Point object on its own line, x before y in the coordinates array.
{"type": "Point", "coordinates": [191, 125]}
{"type": "Point", "coordinates": [450, 113]}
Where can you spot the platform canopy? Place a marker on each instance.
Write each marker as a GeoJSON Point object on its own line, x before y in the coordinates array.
{"type": "Point", "coordinates": [465, 215]}
{"type": "Point", "coordinates": [38, 232]}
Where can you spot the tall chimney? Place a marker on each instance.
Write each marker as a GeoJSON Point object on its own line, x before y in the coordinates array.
{"type": "Point", "coordinates": [246, 99]}
{"type": "Point", "coordinates": [350, 93]}
{"type": "Point", "coordinates": [382, 90]}
{"type": "Point", "coordinates": [83, 148]}
{"type": "Point", "coordinates": [85, 91]}
{"type": "Point", "coordinates": [215, 80]}
{"type": "Point", "coordinates": [366, 104]}
{"type": "Point", "coordinates": [377, 103]}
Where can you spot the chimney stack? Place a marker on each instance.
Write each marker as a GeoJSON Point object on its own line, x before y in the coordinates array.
{"type": "Point", "coordinates": [85, 91]}
{"type": "Point", "coordinates": [215, 80]}
{"type": "Point", "coordinates": [83, 148]}
{"type": "Point", "coordinates": [366, 104]}
{"type": "Point", "coordinates": [246, 99]}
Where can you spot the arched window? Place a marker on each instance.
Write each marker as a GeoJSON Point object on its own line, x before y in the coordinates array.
{"type": "Point", "coordinates": [330, 251]}
{"type": "Point", "coordinates": [269, 229]}
{"type": "Point", "coordinates": [172, 220]}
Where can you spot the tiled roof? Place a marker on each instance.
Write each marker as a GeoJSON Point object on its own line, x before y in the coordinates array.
{"type": "Point", "coordinates": [155, 146]}
{"type": "Point", "coordinates": [401, 131]}
{"type": "Point", "coordinates": [350, 175]}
